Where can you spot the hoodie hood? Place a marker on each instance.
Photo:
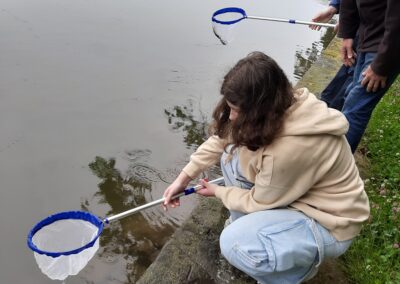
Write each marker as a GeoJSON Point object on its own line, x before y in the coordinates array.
{"type": "Point", "coordinates": [311, 116]}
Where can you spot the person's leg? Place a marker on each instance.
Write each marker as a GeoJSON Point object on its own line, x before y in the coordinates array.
{"type": "Point", "coordinates": [338, 101]}
{"type": "Point", "coordinates": [359, 104]}
{"type": "Point", "coordinates": [272, 246]}
{"type": "Point", "coordinates": [333, 91]}
{"type": "Point", "coordinates": [278, 246]}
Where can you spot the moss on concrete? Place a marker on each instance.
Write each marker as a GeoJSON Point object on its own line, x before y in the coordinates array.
{"type": "Point", "coordinates": [323, 70]}
{"type": "Point", "coordinates": [192, 255]}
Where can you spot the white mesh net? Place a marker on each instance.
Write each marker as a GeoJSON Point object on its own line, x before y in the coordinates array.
{"type": "Point", "coordinates": [61, 236]}
{"type": "Point", "coordinates": [224, 32]}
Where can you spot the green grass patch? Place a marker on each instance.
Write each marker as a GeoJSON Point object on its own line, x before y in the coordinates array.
{"type": "Point", "coordinates": [374, 256]}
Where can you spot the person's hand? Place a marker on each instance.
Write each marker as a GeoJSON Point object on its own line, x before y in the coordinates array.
{"type": "Point", "coordinates": [348, 54]}
{"type": "Point", "coordinates": [336, 28]}
{"type": "Point", "coordinates": [176, 187]}
{"type": "Point", "coordinates": [208, 188]}
{"type": "Point", "coordinates": [323, 17]}
{"type": "Point", "coordinates": [372, 81]}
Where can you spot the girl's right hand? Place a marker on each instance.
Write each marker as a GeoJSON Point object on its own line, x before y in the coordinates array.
{"type": "Point", "coordinates": [179, 185]}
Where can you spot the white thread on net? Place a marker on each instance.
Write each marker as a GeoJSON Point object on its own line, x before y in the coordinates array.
{"type": "Point", "coordinates": [60, 236]}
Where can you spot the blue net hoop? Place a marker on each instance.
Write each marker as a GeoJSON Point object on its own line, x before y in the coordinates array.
{"type": "Point", "coordinates": [76, 215]}
{"type": "Point", "coordinates": [228, 10]}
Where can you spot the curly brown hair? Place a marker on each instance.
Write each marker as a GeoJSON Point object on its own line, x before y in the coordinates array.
{"type": "Point", "coordinates": [262, 92]}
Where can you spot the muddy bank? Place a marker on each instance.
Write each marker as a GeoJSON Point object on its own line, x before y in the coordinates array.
{"type": "Point", "coordinates": [192, 255]}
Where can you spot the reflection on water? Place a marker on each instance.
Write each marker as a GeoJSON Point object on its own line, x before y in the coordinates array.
{"type": "Point", "coordinates": [133, 239]}
{"type": "Point", "coordinates": [138, 239]}
{"type": "Point", "coordinates": [181, 118]}
{"type": "Point", "coordinates": [194, 131]}
{"type": "Point", "coordinates": [305, 58]}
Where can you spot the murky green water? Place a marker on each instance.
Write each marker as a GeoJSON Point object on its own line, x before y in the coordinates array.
{"type": "Point", "coordinates": [101, 104]}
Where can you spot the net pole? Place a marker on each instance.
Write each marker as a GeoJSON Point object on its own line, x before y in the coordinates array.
{"type": "Point", "coordinates": [291, 21]}
{"type": "Point", "coordinates": [156, 202]}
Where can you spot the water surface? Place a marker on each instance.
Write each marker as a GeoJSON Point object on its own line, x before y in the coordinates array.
{"type": "Point", "coordinates": [101, 104]}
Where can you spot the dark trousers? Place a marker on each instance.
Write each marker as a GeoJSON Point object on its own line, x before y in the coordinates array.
{"type": "Point", "coordinates": [335, 93]}
{"type": "Point", "coordinates": [337, 90]}
{"type": "Point", "coordinates": [359, 104]}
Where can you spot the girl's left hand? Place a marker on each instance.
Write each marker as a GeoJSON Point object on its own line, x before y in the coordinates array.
{"type": "Point", "coordinates": [208, 188]}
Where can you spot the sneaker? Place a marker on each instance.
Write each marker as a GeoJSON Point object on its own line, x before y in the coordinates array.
{"type": "Point", "coordinates": [228, 222]}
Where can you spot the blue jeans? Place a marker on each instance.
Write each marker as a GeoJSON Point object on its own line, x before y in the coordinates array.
{"type": "Point", "coordinates": [279, 246]}
{"type": "Point", "coordinates": [359, 103]}
{"type": "Point", "coordinates": [335, 93]}
{"type": "Point", "coordinates": [233, 176]}
{"type": "Point", "coordinates": [274, 246]}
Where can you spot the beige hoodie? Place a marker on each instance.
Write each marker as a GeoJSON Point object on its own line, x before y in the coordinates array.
{"type": "Point", "coordinates": [309, 167]}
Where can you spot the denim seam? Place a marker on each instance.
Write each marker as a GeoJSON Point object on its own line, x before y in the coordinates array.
{"type": "Point", "coordinates": [295, 225]}
{"type": "Point", "coordinates": [319, 241]}
{"type": "Point", "coordinates": [253, 261]}
{"type": "Point", "coordinates": [330, 243]}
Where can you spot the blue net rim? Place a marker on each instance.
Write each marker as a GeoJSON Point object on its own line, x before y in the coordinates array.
{"type": "Point", "coordinates": [79, 215]}
{"type": "Point", "coordinates": [228, 10]}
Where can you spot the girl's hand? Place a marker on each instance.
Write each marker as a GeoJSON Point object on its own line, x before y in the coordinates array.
{"type": "Point", "coordinates": [208, 188]}
{"type": "Point", "coordinates": [176, 187]}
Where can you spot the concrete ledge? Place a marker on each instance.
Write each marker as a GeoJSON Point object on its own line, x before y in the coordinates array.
{"type": "Point", "coordinates": [323, 70]}
{"type": "Point", "coordinates": [193, 256]}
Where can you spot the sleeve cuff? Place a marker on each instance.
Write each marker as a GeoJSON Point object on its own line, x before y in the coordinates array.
{"type": "Point", "coordinates": [377, 68]}
{"type": "Point", "coordinates": [219, 190]}
{"type": "Point", "coordinates": [336, 6]}
{"type": "Point", "coordinates": [191, 170]}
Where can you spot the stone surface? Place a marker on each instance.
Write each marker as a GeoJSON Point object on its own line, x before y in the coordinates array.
{"type": "Point", "coordinates": [192, 255]}
{"type": "Point", "coordinates": [323, 70]}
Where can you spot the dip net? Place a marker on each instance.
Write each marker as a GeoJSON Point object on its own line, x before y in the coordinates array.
{"type": "Point", "coordinates": [223, 22]}
{"type": "Point", "coordinates": [65, 242]}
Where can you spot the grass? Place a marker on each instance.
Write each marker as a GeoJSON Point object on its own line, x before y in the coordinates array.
{"type": "Point", "coordinates": [374, 256]}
